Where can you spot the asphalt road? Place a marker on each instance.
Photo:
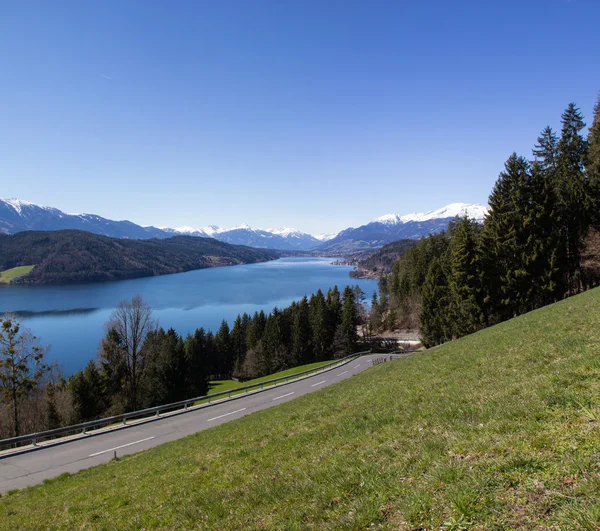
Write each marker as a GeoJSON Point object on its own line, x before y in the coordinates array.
{"type": "Point", "coordinates": [22, 470]}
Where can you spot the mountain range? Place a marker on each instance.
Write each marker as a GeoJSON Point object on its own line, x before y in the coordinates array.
{"type": "Point", "coordinates": [18, 216]}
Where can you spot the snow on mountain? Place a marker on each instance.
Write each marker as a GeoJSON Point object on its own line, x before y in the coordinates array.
{"type": "Point", "coordinates": [452, 210]}
{"type": "Point", "coordinates": [287, 232]}
{"type": "Point", "coordinates": [17, 204]}
{"type": "Point", "coordinates": [325, 237]}
{"type": "Point", "coordinates": [394, 227]}
{"type": "Point", "coordinates": [17, 215]}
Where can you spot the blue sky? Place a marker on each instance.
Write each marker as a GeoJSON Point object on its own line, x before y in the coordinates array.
{"type": "Point", "coordinates": [315, 114]}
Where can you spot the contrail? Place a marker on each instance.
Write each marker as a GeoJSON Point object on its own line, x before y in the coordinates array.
{"type": "Point", "coordinates": [107, 77]}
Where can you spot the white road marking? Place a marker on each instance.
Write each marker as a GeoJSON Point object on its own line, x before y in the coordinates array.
{"type": "Point", "coordinates": [318, 383]}
{"type": "Point", "coordinates": [122, 446]}
{"type": "Point", "coordinates": [283, 396]}
{"type": "Point", "coordinates": [226, 414]}
{"type": "Point", "coordinates": [356, 366]}
{"type": "Point", "coordinates": [342, 373]}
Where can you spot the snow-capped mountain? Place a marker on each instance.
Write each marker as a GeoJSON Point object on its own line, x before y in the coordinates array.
{"type": "Point", "coordinates": [476, 212]}
{"type": "Point", "coordinates": [286, 239]}
{"type": "Point", "coordinates": [18, 216]}
{"type": "Point", "coordinates": [394, 227]}
{"type": "Point", "coordinates": [325, 237]}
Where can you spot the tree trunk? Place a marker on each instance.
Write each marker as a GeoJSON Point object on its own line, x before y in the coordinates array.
{"type": "Point", "coordinates": [15, 413]}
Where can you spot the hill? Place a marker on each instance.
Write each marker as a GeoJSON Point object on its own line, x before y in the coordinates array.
{"type": "Point", "coordinates": [382, 261]}
{"type": "Point", "coordinates": [497, 430]}
{"type": "Point", "coordinates": [78, 256]}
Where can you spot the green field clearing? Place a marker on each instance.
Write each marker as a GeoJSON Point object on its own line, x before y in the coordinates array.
{"type": "Point", "coordinates": [15, 272]}
{"type": "Point", "coordinates": [498, 430]}
{"type": "Point", "coordinates": [219, 386]}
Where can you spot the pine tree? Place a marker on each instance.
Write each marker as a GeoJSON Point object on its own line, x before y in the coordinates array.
{"type": "Point", "coordinates": [224, 350]}
{"type": "Point", "coordinates": [466, 301]}
{"type": "Point", "coordinates": [375, 315]}
{"type": "Point", "coordinates": [502, 242]}
{"type": "Point", "coordinates": [196, 366]}
{"type": "Point", "coordinates": [435, 321]}
{"type": "Point", "coordinates": [593, 164]}
{"type": "Point", "coordinates": [88, 393]}
{"type": "Point", "coordinates": [350, 320]}
{"type": "Point", "coordinates": [573, 194]}
{"type": "Point", "coordinates": [301, 341]}
{"type": "Point", "coordinates": [255, 329]}
{"type": "Point", "coordinates": [238, 340]}
{"type": "Point", "coordinates": [53, 419]}
{"type": "Point", "coordinates": [320, 326]}
{"type": "Point", "coordinates": [546, 150]}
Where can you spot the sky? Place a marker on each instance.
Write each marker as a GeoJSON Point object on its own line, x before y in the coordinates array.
{"type": "Point", "coordinates": [313, 114]}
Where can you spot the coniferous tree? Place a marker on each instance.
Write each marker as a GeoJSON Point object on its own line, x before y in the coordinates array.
{"type": "Point", "coordinates": [436, 327]}
{"type": "Point", "coordinates": [375, 315]}
{"type": "Point", "coordinates": [53, 419]}
{"type": "Point", "coordinates": [319, 323]}
{"type": "Point", "coordinates": [573, 194]}
{"type": "Point", "coordinates": [88, 393]}
{"type": "Point", "coordinates": [224, 350]}
{"type": "Point", "coordinates": [593, 164]}
{"type": "Point", "coordinates": [502, 238]}
{"type": "Point", "coordinates": [255, 329]}
{"type": "Point", "coordinates": [464, 280]}
{"type": "Point", "coordinates": [196, 366]}
{"type": "Point", "coordinates": [546, 151]}
{"type": "Point", "coordinates": [238, 340]}
{"type": "Point", "coordinates": [301, 340]}
{"type": "Point", "coordinates": [350, 320]}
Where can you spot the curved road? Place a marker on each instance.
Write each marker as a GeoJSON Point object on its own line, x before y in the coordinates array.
{"type": "Point", "coordinates": [84, 451]}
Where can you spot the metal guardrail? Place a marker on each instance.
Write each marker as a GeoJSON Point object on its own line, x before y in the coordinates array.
{"type": "Point", "coordinates": [156, 410]}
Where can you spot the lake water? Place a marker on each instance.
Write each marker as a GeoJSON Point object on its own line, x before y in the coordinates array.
{"type": "Point", "coordinates": [70, 318]}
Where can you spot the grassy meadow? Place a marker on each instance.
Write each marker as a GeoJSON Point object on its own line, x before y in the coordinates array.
{"type": "Point", "coordinates": [15, 272]}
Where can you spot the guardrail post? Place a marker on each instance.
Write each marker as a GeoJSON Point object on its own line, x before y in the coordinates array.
{"type": "Point", "coordinates": [185, 407]}
{"type": "Point", "coordinates": [34, 442]}
{"type": "Point", "coordinates": [124, 422]}
{"type": "Point", "coordinates": [158, 413]}
{"type": "Point", "coordinates": [83, 431]}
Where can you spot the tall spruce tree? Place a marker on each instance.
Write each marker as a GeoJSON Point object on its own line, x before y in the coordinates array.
{"type": "Point", "coordinates": [593, 164]}
{"type": "Point", "coordinates": [573, 194]}
{"type": "Point", "coordinates": [224, 350]}
{"type": "Point", "coordinates": [301, 341]}
{"type": "Point", "coordinates": [464, 280]}
{"type": "Point", "coordinates": [320, 336]}
{"type": "Point", "coordinates": [546, 150]}
{"type": "Point", "coordinates": [350, 319]}
{"type": "Point", "coordinates": [436, 326]}
{"type": "Point", "coordinates": [503, 241]}
{"type": "Point", "coordinates": [196, 366]}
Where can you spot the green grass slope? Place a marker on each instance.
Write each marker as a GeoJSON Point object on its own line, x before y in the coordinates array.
{"type": "Point", "coordinates": [219, 386]}
{"type": "Point", "coordinates": [15, 272]}
{"type": "Point", "coordinates": [499, 430]}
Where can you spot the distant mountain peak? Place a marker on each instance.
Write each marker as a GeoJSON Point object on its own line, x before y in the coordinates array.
{"type": "Point", "coordinates": [452, 210]}
{"type": "Point", "coordinates": [17, 204]}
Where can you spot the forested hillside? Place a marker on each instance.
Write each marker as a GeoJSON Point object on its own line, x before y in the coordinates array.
{"type": "Point", "coordinates": [77, 256]}
{"type": "Point", "coordinates": [382, 261]}
{"type": "Point", "coordinates": [538, 244]}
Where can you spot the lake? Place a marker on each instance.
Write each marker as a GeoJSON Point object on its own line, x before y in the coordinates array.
{"type": "Point", "coordinates": [70, 318]}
